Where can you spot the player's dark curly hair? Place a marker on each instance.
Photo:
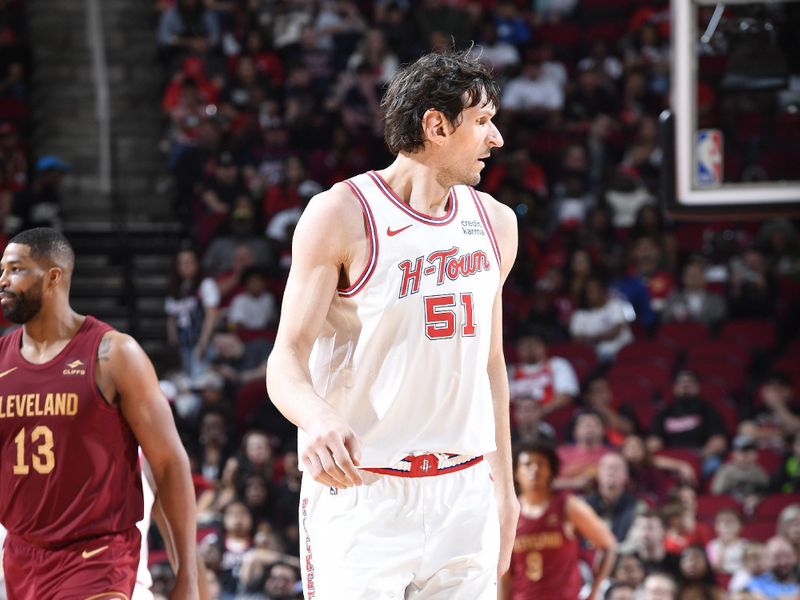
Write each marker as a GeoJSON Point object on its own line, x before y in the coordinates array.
{"type": "Point", "coordinates": [448, 82]}
{"type": "Point", "coordinates": [543, 447]}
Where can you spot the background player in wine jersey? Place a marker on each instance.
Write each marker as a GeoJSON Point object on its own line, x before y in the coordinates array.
{"type": "Point", "coordinates": [544, 563]}
{"type": "Point", "coordinates": [76, 397]}
{"type": "Point", "coordinates": [396, 285]}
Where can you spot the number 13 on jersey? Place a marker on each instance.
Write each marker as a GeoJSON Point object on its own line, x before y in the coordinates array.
{"type": "Point", "coordinates": [43, 459]}
{"type": "Point", "coordinates": [442, 312]}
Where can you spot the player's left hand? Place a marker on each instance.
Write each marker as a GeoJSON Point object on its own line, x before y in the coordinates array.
{"type": "Point", "coordinates": [508, 507]}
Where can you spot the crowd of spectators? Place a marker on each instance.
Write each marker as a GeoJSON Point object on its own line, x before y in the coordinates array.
{"type": "Point", "coordinates": [660, 355]}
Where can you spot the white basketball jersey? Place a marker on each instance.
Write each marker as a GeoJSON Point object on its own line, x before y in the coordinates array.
{"type": "Point", "coordinates": [143, 578]}
{"type": "Point", "coordinates": [404, 350]}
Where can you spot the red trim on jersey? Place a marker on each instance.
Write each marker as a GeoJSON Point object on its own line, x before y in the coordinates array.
{"type": "Point", "coordinates": [427, 219]}
{"type": "Point", "coordinates": [418, 467]}
{"type": "Point", "coordinates": [487, 225]}
{"type": "Point", "coordinates": [369, 268]}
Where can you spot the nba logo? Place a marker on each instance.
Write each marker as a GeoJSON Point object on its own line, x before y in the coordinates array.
{"type": "Point", "coordinates": [709, 158]}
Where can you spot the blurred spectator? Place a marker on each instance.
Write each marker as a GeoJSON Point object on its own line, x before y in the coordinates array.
{"type": "Point", "coordinates": [689, 422]}
{"type": "Point", "coordinates": [628, 570]}
{"type": "Point", "coordinates": [360, 104]}
{"type": "Point", "coordinates": [39, 204]}
{"type": "Point", "coordinates": [646, 539]}
{"type": "Point", "coordinates": [648, 263]}
{"type": "Point", "coordinates": [588, 98]}
{"type": "Point", "coordinates": [603, 320]}
{"type": "Point", "coordinates": [532, 91]}
{"type": "Point", "coordinates": [553, 11]}
{"type": "Point", "coordinates": [753, 565]}
{"type": "Point", "coordinates": [680, 520]}
{"type": "Point", "coordinates": [579, 459]}
{"type": "Point", "coordinates": [527, 423]}
{"type": "Point", "coordinates": [620, 420]}
{"type": "Point", "coordinates": [789, 525]}
{"type": "Point", "coordinates": [780, 580]}
{"type": "Point", "coordinates": [217, 197]}
{"type": "Point", "coordinates": [241, 229]}
{"type": "Point", "coordinates": [613, 501]}
{"type": "Point", "coordinates": [511, 25]}
{"type": "Point", "coordinates": [374, 54]}
{"type": "Point", "coordinates": [726, 551]}
{"type": "Point", "coordinates": [187, 28]}
{"type": "Point", "coordinates": [651, 52]}
{"type": "Point", "coordinates": [603, 61]}
{"type": "Point", "coordinates": [751, 290]}
{"type": "Point", "coordinates": [652, 473]}
{"type": "Point", "coordinates": [780, 415]}
{"type": "Point", "coordinates": [694, 302]}
{"type": "Point", "coordinates": [221, 493]}
{"type": "Point", "coordinates": [237, 523]}
{"type": "Point", "coordinates": [780, 240]}
{"type": "Point", "coordinates": [659, 586]}
{"type": "Point", "coordinates": [787, 478]}
{"type": "Point", "coordinates": [191, 305]}
{"type": "Point", "coordinates": [626, 195]}
{"type": "Point", "coordinates": [436, 17]}
{"type": "Point", "coordinates": [696, 575]}
{"type": "Point", "coordinates": [550, 569]}
{"type": "Point", "coordinates": [280, 580]}
{"type": "Point", "coordinates": [549, 380]}
{"type": "Point", "coordinates": [501, 55]}
{"type": "Point", "coordinates": [651, 222]}
{"type": "Point", "coordinates": [214, 443]}
{"type": "Point", "coordinates": [742, 477]}
{"type": "Point", "coordinates": [620, 591]}
{"type": "Point", "coordinates": [255, 307]}
{"type": "Point", "coordinates": [398, 29]}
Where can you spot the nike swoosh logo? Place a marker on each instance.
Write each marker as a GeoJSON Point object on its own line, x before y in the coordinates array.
{"type": "Point", "coordinates": [390, 232]}
{"type": "Point", "coordinates": [4, 373]}
{"type": "Point", "coordinates": [90, 553]}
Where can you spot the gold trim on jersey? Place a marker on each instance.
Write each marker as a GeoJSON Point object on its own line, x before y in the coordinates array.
{"type": "Point", "coordinates": [108, 596]}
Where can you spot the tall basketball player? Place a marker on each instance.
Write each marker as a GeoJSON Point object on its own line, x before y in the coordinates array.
{"type": "Point", "coordinates": [389, 356]}
{"type": "Point", "coordinates": [75, 399]}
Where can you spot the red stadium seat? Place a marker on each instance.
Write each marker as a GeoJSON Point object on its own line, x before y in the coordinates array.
{"type": "Point", "coordinates": [682, 335]}
{"type": "Point", "coordinates": [631, 392]}
{"type": "Point", "coordinates": [728, 374]}
{"type": "Point", "coordinates": [759, 530]}
{"type": "Point", "coordinates": [648, 351]}
{"type": "Point", "coordinates": [720, 351]}
{"type": "Point", "coordinates": [708, 505]}
{"type": "Point", "coordinates": [769, 459]}
{"type": "Point", "coordinates": [582, 357]}
{"type": "Point", "coordinates": [753, 333]}
{"type": "Point", "coordinates": [658, 377]}
{"type": "Point", "coordinates": [771, 506]}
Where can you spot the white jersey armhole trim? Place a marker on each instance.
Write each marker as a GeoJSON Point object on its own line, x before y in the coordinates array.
{"type": "Point", "coordinates": [487, 224]}
{"type": "Point", "coordinates": [369, 268]}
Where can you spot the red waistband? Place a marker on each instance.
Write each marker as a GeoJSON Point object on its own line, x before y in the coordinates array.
{"type": "Point", "coordinates": [424, 465]}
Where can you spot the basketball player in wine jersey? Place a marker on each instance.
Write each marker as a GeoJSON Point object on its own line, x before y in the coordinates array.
{"type": "Point", "coordinates": [389, 356]}
{"type": "Point", "coordinates": [76, 400]}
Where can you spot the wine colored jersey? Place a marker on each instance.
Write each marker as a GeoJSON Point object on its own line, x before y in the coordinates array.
{"type": "Point", "coordinates": [544, 562]}
{"type": "Point", "coordinates": [404, 350]}
{"type": "Point", "coordinates": [68, 461]}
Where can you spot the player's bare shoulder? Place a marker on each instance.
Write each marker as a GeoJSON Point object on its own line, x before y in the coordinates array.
{"type": "Point", "coordinates": [332, 225]}
{"type": "Point", "coordinates": [504, 224]}
{"type": "Point", "coordinates": [118, 356]}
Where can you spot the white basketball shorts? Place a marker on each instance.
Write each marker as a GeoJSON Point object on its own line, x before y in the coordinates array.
{"type": "Point", "coordinates": [401, 537]}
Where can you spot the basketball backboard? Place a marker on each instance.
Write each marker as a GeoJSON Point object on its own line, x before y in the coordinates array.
{"type": "Point", "coordinates": [732, 136]}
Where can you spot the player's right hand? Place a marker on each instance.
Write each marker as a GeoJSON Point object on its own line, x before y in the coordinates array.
{"type": "Point", "coordinates": [333, 451]}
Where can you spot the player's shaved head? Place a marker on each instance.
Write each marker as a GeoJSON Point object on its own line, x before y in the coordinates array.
{"type": "Point", "coordinates": [48, 247]}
